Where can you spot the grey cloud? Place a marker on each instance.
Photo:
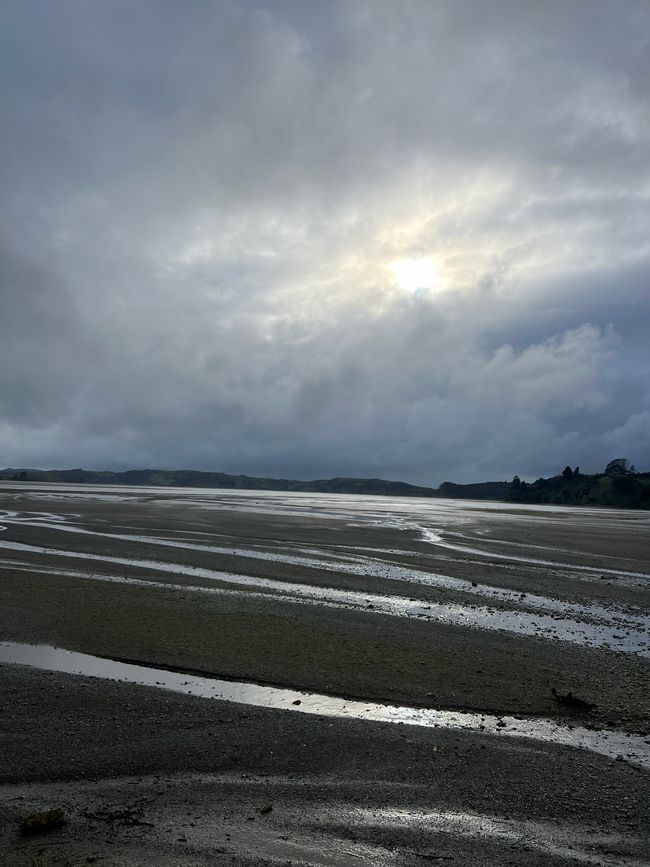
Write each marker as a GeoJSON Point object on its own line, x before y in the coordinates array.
{"type": "Point", "coordinates": [203, 201]}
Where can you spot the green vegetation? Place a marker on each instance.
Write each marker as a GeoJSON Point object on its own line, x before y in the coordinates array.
{"type": "Point", "coordinates": [619, 486]}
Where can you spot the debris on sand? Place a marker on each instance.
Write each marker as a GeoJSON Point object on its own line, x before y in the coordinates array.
{"type": "Point", "coordinates": [266, 808]}
{"type": "Point", "coordinates": [43, 822]}
{"type": "Point", "coordinates": [129, 815]}
{"type": "Point", "coordinates": [572, 701]}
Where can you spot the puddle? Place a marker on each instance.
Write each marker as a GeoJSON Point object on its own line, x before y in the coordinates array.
{"type": "Point", "coordinates": [632, 748]}
{"type": "Point", "coordinates": [612, 637]}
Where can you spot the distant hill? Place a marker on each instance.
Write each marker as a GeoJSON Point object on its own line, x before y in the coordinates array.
{"type": "Point", "coordinates": [620, 486]}
{"type": "Point", "coordinates": [475, 491]}
{"type": "Point", "coordinates": [199, 479]}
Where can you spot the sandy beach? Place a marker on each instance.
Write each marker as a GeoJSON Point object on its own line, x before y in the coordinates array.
{"type": "Point", "coordinates": [474, 610]}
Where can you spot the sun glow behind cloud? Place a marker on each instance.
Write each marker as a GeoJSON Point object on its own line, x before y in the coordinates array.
{"type": "Point", "coordinates": [414, 274]}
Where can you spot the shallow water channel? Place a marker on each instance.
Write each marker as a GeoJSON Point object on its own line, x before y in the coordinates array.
{"type": "Point", "coordinates": [617, 745]}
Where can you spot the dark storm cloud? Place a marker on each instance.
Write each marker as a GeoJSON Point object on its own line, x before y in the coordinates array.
{"type": "Point", "coordinates": [205, 207]}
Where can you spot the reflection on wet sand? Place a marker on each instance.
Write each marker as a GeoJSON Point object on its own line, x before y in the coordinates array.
{"type": "Point", "coordinates": [620, 636]}
{"type": "Point", "coordinates": [341, 595]}
{"type": "Point", "coordinates": [612, 744]}
{"type": "Point", "coordinates": [566, 842]}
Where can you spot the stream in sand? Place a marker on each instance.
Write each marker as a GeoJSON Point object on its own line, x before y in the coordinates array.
{"type": "Point", "coordinates": [632, 748]}
{"type": "Point", "coordinates": [488, 606]}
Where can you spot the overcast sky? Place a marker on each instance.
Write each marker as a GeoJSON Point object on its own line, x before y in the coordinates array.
{"type": "Point", "coordinates": [398, 238]}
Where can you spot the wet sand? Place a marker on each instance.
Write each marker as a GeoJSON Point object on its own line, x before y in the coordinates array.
{"type": "Point", "coordinates": [362, 598]}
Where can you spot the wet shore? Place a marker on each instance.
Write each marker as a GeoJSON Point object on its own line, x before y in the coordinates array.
{"type": "Point", "coordinates": [360, 598]}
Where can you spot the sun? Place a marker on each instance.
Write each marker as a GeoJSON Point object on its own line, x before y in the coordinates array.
{"type": "Point", "coordinates": [414, 274]}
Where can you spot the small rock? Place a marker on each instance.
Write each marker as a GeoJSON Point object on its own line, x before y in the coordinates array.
{"type": "Point", "coordinates": [266, 808]}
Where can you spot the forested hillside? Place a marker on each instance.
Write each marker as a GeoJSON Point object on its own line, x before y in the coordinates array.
{"type": "Point", "coordinates": [619, 486]}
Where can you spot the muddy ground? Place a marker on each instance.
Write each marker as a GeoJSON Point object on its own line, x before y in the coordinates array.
{"type": "Point", "coordinates": [147, 776]}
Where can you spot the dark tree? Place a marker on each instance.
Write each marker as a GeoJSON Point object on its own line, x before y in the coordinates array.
{"type": "Point", "coordinates": [619, 467]}
{"type": "Point", "coordinates": [626, 485]}
{"type": "Point", "coordinates": [567, 472]}
{"type": "Point", "coordinates": [576, 472]}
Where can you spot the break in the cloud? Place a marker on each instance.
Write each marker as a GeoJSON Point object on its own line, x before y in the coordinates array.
{"type": "Point", "coordinates": [216, 217]}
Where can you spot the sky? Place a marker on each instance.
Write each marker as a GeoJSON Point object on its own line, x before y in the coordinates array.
{"type": "Point", "coordinates": [313, 238]}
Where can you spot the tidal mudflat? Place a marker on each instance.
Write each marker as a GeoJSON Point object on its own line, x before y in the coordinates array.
{"type": "Point", "coordinates": [403, 680]}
